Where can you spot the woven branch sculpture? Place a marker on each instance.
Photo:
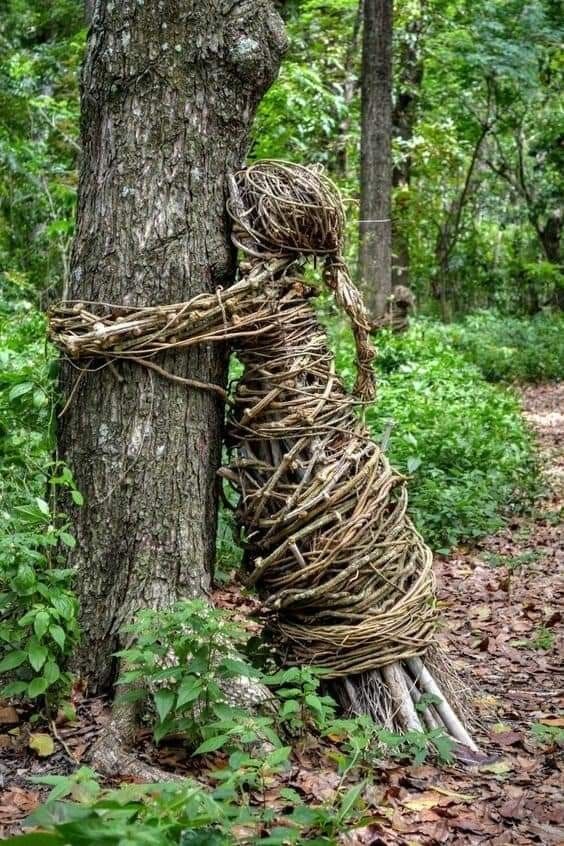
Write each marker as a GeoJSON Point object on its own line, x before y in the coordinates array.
{"type": "Point", "coordinates": [342, 570]}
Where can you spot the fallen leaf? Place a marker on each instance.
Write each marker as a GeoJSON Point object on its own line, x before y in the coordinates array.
{"type": "Point", "coordinates": [497, 768]}
{"type": "Point", "coordinates": [43, 744]}
{"type": "Point", "coordinates": [460, 797]}
{"type": "Point", "coordinates": [8, 716]}
{"type": "Point", "coordinates": [421, 803]}
{"type": "Point", "coordinates": [557, 722]}
{"type": "Point", "coordinates": [514, 808]}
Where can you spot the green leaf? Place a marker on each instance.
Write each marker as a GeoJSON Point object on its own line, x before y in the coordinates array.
{"type": "Point", "coordinates": [129, 676]}
{"type": "Point", "coordinates": [289, 707]}
{"type": "Point", "coordinates": [41, 743]}
{"type": "Point", "coordinates": [279, 756]}
{"type": "Point", "coordinates": [37, 839]}
{"type": "Point", "coordinates": [239, 668]}
{"type": "Point", "coordinates": [164, 700]}
{"type": "Point", "coordinates": [43, 506]}
{"type": "Point", "coordinates": [314, 703]}
{"type": "Point", "coordinates": [14, 689]}
{"type": "Point", "coordinates": [12, 660]}
{"type": "Point", "coordinates": [19, 390]}
{"type": "Point", "coordinates": [212, 744]}
{"type": "Point", "coordinates": [64, 606]}
{"type": "Point", "coordinates": [162, 729]}
{"type": "Point", "coordinates": [189, 690]}
{"type": "Point", "coordinates": [413, 463]}
{"type": "Point", "coordinates": [77, 497]}
{"type": "Point", "coordinates": [41, 623]}
{"type": "Point", "coordinates": [36, 687]}
{"type": "Point", "coordinates": [349, 800]}
{"type": "Point", "coordinates": [58, 635]}
{"type": "Point", "coordinates": [67, 539]}
{"type": "Point", "coordinates": [51, 672]}
{"type": "Point", "coordinates": [37, 654]}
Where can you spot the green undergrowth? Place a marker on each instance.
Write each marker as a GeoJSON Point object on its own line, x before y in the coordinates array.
{"type": "Point", "coordinates": [38, 610]}
{"type": "Point", "coordinates": [462, 442]}
{"type": "Point", "coordinates": [510, 348]}
{"type": "Point", "coordinates": [181, 663]}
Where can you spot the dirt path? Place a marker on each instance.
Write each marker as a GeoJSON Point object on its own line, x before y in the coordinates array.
{"type": "Point", "coordinates": [503, 602]}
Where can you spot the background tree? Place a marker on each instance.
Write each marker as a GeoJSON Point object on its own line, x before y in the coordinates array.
{"type": "Point", "coordinates": [168, 97]}
{"type": "Point", "coordinates": [407, 87]}
{"type": "Point", "coordinates": [375, 255]}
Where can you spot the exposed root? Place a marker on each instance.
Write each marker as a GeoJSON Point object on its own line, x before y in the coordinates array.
{"type": "Point", "coordinates": [112, 756]}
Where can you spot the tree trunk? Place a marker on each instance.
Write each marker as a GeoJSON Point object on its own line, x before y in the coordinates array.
{"type": "Point", "coordinates": [375, 259]}
{"type": "Point", "coordinates": [409, 78]}
{"type": "Point", "coordinates": [550, 236]}
{"type": "Point", "coordinates": [89, 6]}
{"type": "Point", "coordinates": [169, 92]}
{"type": "Point", "coordinates": [350, 87]}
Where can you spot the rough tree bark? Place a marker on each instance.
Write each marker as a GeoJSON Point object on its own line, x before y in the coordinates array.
{"type": "Point", "coordinates": [375, 259]}
{"type": "Point", "coordinates": [89, 6]}
{"type": "Point", "coordinates": [169, 91]}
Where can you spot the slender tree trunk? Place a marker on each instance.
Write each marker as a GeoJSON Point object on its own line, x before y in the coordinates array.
{"type": "Point", "coordinates": [350, 87]}
{"type": "Point", "coordinates": [450, 230]}
{"type": "Point", "coordinates": [409, 77]}
{"type": "Point", "coordinates": [169, 92]}
{"type": "Point", "coordinates": [375, 260]}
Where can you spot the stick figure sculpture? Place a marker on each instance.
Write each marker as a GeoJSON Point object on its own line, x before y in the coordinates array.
{"type": "Point", "coordinates": [341, 568]}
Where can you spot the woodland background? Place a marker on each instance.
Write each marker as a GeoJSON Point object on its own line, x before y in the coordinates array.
{"type": "Point", "coordinates": [478, 161]}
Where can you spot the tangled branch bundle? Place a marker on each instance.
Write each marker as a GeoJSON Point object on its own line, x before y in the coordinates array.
{"type": "Point", "coordinates": [336, 559]}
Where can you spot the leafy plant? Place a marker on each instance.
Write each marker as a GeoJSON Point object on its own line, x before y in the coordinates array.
{"type": "Point", "coordinates": [39, 627]}
{"type": "Point", "coordinates": [302, 703]}
{"type": "Point", "coordinates": [548, 735]}
{"type": "Point", "coordinates": [38, 611]}
{"type": "Point", "coordinates": [511, 348]}
{"type": "Point", "coordinates": [183, 814]}
{"type": "Point", "coordinates": [543, 639]}
{"type": "Point", "coordinates": [361, 742]}
{"type": "Point", "coordinates": [184, 659]}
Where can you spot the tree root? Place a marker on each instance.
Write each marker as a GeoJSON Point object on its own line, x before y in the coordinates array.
{"type": "Point", "coordinates": [112, 755]}
{"type": "Point", "coordinates": [408, 696]}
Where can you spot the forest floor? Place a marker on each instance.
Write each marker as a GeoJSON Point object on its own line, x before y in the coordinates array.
{"type": "Point", "coordinates": [502, 600]}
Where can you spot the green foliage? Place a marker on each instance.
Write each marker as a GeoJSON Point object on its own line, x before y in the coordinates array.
{"type": "Point", "coordinates": [463, 442]}
{"type": "Point", "coordinates": [186, 660]}
{"type": "Point", "coordinates": [547, 735]}
{"type": "Point", "coordinates": [181, 815]}
{"type": "Point", "coordinates": [361, 742]}
{"type": "Point", "coordinates": [511, 348]}
{"type": "Point", "coordinates": [38, 627]}
{"type": "Point", "coordinates": [78, 810]}
{"type": "Point", "coordinates": [41, 45]}
{"type": "Point", "coordinates": [182, 657]}
{"type": "Point", "coordinates": [302, 705]}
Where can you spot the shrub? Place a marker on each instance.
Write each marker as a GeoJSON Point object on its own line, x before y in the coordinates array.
{"type": "Point", "coordinates": [38, 627]}
{"type": "Point", "coordinates": [184, 658]}
{"type": "Point", "coordinates": [510, 348]}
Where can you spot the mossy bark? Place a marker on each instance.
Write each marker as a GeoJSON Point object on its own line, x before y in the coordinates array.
{"type": "Point", "coordinates": [169, 91]}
